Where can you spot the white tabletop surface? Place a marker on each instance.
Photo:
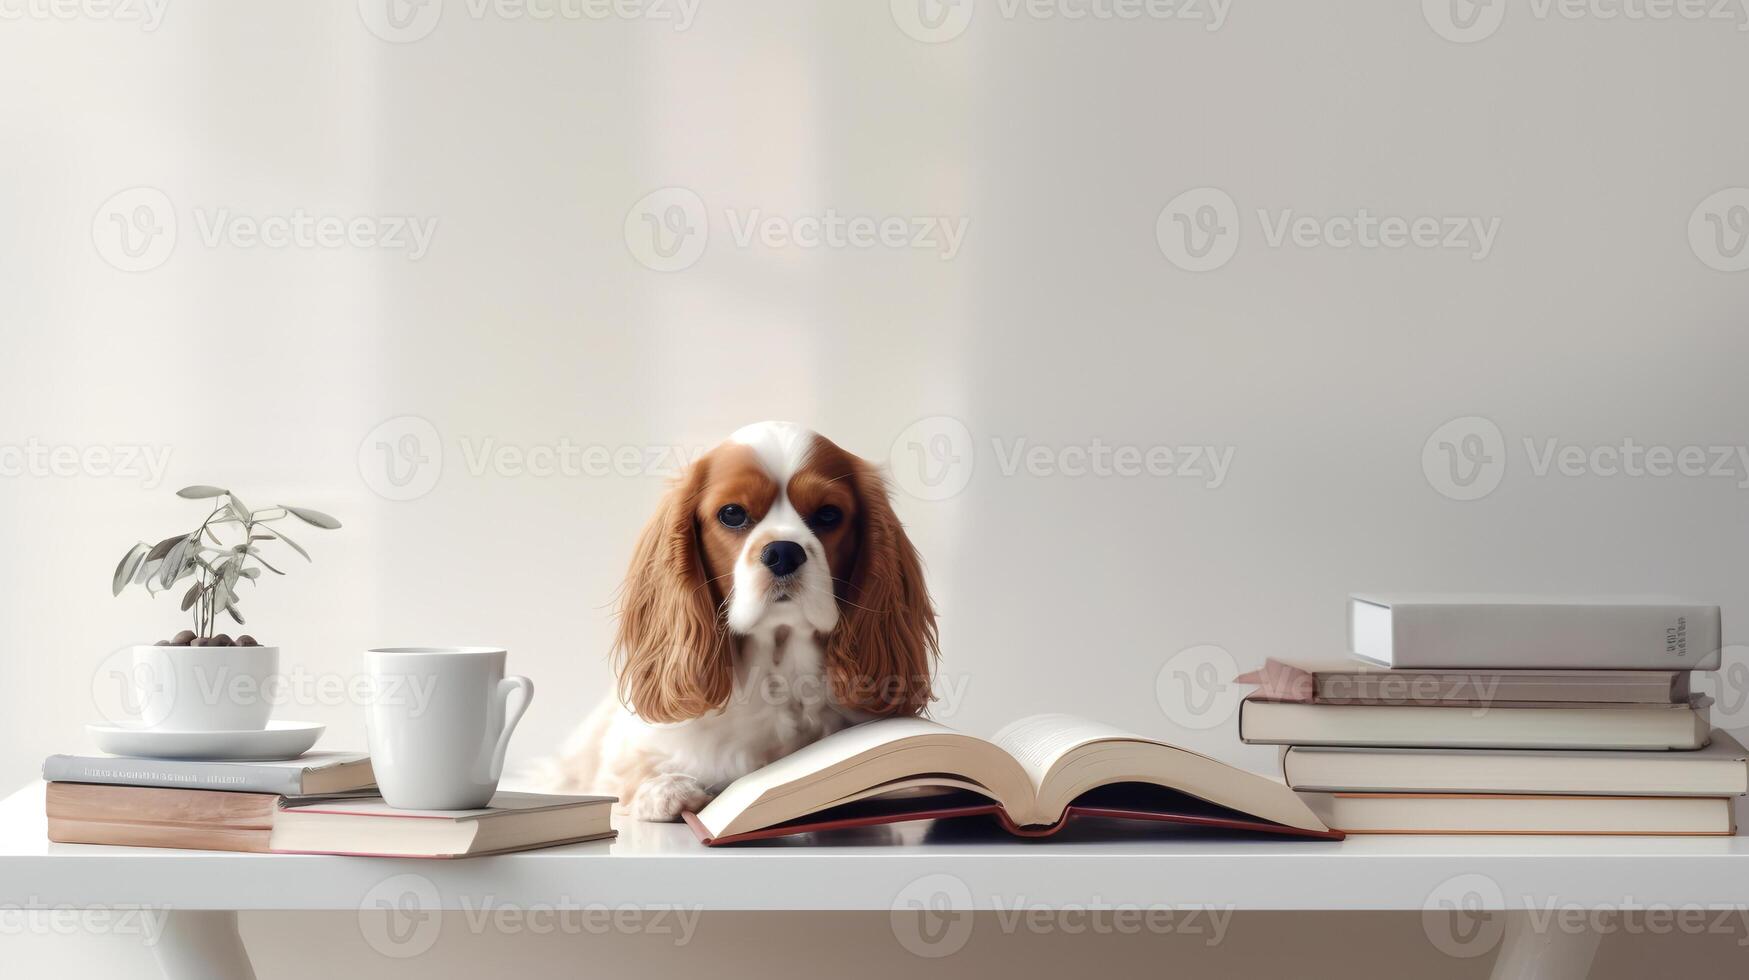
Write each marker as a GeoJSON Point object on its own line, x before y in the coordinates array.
{"type": "Point", "coordinates": [661, 865]}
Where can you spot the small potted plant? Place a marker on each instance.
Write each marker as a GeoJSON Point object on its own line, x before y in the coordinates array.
{"type": "Point", "coordinates": [201, 679]}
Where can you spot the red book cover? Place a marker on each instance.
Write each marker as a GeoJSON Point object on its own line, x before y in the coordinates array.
{"type": "Point", "coordinates": [873, 813]}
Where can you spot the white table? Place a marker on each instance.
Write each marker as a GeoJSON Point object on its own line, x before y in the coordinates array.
{"type": "Point", "coordinates": [660, 866]}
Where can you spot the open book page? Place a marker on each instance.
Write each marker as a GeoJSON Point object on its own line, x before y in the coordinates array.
{"type": "Point", "coordinates": [1065, 756]}
{"type": "Point", "coordinates": [1038, 742]}
{"type": "Point", "coordinates": [863, 761]}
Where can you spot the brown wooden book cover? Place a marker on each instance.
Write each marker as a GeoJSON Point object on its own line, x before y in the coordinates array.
{"type": "Point", "coordinates": [140, 816]}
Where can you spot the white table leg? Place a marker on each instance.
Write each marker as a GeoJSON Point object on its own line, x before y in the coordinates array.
{"type": "Point", "coordinates": [202, 945]}
{"type": "Point", "coordinates": [1551, 953]}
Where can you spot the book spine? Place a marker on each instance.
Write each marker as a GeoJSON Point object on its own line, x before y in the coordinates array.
{"type": "Point", "coordinates": [1555, 636]}
{"type": "Point", "coordinates": [173, 774]}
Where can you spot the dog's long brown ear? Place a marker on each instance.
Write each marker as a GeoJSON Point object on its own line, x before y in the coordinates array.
{"type": "Point", "coordinates": [672, 652]}
{"type": "Point", "coordinates": [882, 654]}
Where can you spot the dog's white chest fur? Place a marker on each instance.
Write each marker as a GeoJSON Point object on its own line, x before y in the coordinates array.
{"type": "Point", "coordinates": [782, 701]}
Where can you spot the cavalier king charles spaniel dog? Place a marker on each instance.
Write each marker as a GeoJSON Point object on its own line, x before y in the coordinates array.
{"type": "Point", "coordinates": [772, 600]}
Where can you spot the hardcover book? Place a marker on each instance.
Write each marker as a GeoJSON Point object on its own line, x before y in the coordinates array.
{"type": "Point", "coordinates": [312, 774]}
{"type": "Point", "coordinates": [1360, 683]}
{"type": "Point", "coordinates": [1491, 632]}
{"type": "Point", "coordinates": [1033, 777]}
{"type": "Point", "coordinates": [145, 816]}
{"type": "Point", "coordinates": [1506, 726]}
{"type": "Point", "coordinates": [1720, 769]}
{"type": "Point", "coordinates": [1436, 813]}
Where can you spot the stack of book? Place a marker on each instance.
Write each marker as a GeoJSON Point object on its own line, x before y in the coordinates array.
{"type": "Point", "coordinates": [1507, 715]}
{"type": "Point", "coordinates": [322, 803]}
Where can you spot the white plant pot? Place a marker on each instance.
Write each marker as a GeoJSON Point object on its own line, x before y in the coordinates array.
{"type": "Point", "coordinates": [205, 689]}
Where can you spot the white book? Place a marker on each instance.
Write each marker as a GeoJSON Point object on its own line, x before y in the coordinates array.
{"type": "Point", "coordinates": [1720, 769]}
{"type": "Point", "coordinates": [1503, 632]}
{"type": "Point", "coordinates": [1568, 726]}
{"type": "Point", "coordinates": [1432, 813]}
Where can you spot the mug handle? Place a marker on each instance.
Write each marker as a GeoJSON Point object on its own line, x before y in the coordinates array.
{"type": "Point", "coordinates": [516, 691]}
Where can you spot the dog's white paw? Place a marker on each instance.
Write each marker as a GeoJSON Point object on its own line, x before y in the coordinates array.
{"type": "Point", "coordinates": [665, 797]}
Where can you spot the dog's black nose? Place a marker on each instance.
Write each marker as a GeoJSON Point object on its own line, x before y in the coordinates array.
{"type": "Point", "coordinates": [783, 557]}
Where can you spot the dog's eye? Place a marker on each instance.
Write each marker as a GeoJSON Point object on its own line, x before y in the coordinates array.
{"type": "Point", "coordinates": [827, 516]}
{"type": "Point", "coordinates": [732, 516]}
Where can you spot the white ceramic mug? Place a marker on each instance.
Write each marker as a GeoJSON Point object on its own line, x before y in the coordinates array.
{"type": "Point", "coordinates": [439, 721]}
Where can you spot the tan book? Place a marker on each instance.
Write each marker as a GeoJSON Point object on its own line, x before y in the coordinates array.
{"type": "Point", "coordinates": [143, 816]}
{"type": "Point", "coordinates": [1439, 813]}
{"type": "Point", "coordinates": [1640, 727]}
{"type": "Point", "coordinates": [1720, 769]}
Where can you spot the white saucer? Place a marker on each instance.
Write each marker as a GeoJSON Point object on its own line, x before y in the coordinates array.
{"type": "Point", "coordinates": [279, 740]}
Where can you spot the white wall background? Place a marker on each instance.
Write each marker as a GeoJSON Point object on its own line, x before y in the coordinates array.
{"type": "Point", "coordinates": [533, 319]}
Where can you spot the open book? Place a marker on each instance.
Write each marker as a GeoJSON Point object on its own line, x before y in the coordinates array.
{"type": "Point", "coordinates": [1033, 776]}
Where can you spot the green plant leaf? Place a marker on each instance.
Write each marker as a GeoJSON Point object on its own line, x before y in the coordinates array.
{"type": "Point", "coordinates": [294, 546]}
{"type": "Point", "coordinates": [193, 593]}
{"type": "Point", "coordinates": [231, 608]}
{"type": "Point", "coordinates": [200, 491]}
{"type": "Point", "coordinates": [130, 563]}
{"type": "Point", "coordinates": [238, 511]}
{"type": "Point", "coordinates": [255, 554]}
{"type": "Point", "coordinates": [314, 518]}
{"type": "Point", "coordinates": [251, 573]}
{"type": "Point", "coordinates": [148, 571]}
{"type": "Point", "coordinates": [163, 547]}
{"type": "Point", "coordinates": [175, 563]}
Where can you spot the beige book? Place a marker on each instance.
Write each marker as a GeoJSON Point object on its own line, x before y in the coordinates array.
{"type": "Point", "coordinates": [1436, 813]}
{"type": "Point", "coordinates": [144, 816]}
{"type": "Point", "coordinates": [1720, 769]}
